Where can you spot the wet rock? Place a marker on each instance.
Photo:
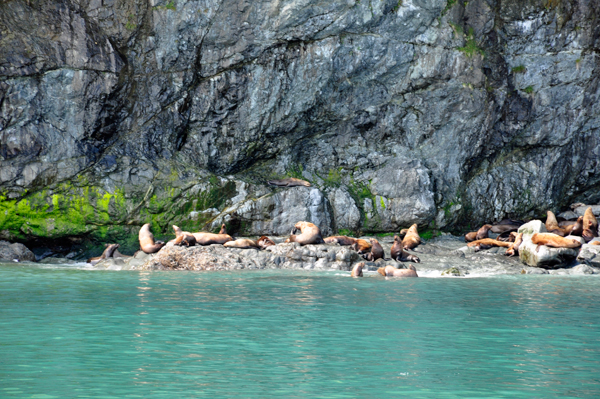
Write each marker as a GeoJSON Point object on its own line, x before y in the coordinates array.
{"type": "Point", "coordinates": [589, 255]}
{"type": "Point", "coordinates": [15, 252]}
{"type": "Point", "coordinates": [453, 271]}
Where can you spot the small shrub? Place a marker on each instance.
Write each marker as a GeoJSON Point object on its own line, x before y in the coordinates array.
{"type": "Point", "coordinates": [519, 69]}
{"type": "Point", "coordinates": [528, 89]}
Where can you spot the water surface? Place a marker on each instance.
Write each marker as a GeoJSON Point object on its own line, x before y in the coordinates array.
{"type": "Point", "coordinates": [67, 332]}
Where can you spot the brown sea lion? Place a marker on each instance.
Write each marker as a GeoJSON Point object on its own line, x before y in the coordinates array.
{"type": "Point", "coordinates": [182, 238]}
{"type": "Point", "coordinates": [357, 270]}
{"type": "Point", "coordinates": [552, 224]}
{"type": "Point", "coordinates": [117, 254]}
{"type": "Point", "coordinates": [575, 229]}
{"type": "Point", "coordinates": [588, 235]}
{"type": "Point", "coordinates": [503, 228]}
{"type": "Point", "coordinates": [514, 248]}
{"type": "Point", "coordinates": [412, 239]}
{"type": "Point", "coordinates": [361, 246]}
{"type": "Point", "coordinates": [211, 238]}
{"type": "Point", "coordinates": [264, 242]}
{"type": "Point", "coordinates": [223, 229]}
{"type": "Point", "coordinates": [554, 241]}
{"type": "Point", "coordinates": [470, 236]}
{"type": "Point", "coordinates": [589, 220]}
{"type": "Point", "coordinates": [376, 251]}
{"type": "Point", "coordinates": [289, 182]}
{"type": "Point", "coordinates": [147, 243]}
{"type": "Point", "coordinates": [310, 234]}
{"type": "Point", "coordinates": [107, 253]}
{"type": "Point", "coordinates": [242, 243]}
{"type": "Point", "coordinates": [399, 254]}
{"type": "Point", "coordinates": [507, 237]}
{"type": "Point", "coordinates": [479, 234]}
{"type": "Point", "coordinates": [403, 233]}
{"type": "Point", "coordinates": [487, 243]}
{"type": "Point", "coordinates": [595, 243]}
{"type": "Point", "coordinates": [391, 271]}
{"type": "Point", "coordinates": [342, 240]}
{"type": "Point", "coordinates": [566, 223]}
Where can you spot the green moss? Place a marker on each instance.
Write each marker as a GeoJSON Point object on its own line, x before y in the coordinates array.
{"type": "Point", "coordinates": [528, 89]}
{"type": "Point", "coordinates": [519, 69]}
{"type": "Point", "coordinates": [471, 48]}
{"type": "Point", "coordinates": [385, 234]}
{"type": "Point", "coordinates": [333, 178]}
{"type": "Point", "coordinates": [458, 30]}
{"type": "Point", "coordinates": [428, 234]}
{"type": "Point", "coordinates": [346, 232]}
{"type": "Point", "coordinates": [397, 6]}
{"type": "Point", "coordinates": [171, 5]}
{"type": "Point", "coordinates": [295, 171]}
{"type": "Point", "coordinates": [382, 203]}
{"type": "Point", "coordinates": [130, 24]}
{"type": "Point", "coordinates": [449, 5]}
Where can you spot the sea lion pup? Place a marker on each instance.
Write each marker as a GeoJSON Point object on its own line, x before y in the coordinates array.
{"type": "Point", "coordinates": [361, 246]}
{"type": "Point", "coordinates": [554, 241]}
{"type": "Point", "coordinates": [243, 243]}
{"type": "Point", "coordinates": [263, 242]}
{"type": "Point", "coordinates": [147, 243]}
{"type": "Point", "coordinates": [487, 243]}
{"type": "Point", "coordinates": [310, 234]}
{"type": "Point", "coordinates": [376, 251]}
{"type": "Point", "coordinates": [107, 253]}
{"type": "Point", "coordinates": [399, 254]}
{"type": "Point", "coordinates": [391, 271]}
{"type": "Point", "coordinates": [552, 224]}
{"type": "Point", "coordinates": [357, 270]}
{"type": "Point", "coordinates": [223, 229]}
{"type": "Point", "coordinates": [211, 238]}
{"type": "Point", "coordinates": [182, 238]}
{"type": "Point", "coordinates": [289, 182]}
{"type": "Point", "coordinates": [412, 239]}
{"type": "Point", "coordinates": [589, 220]}
{"type": "Point", "coordinates": [342, 240]}
{"type": "Point", "coordinates": [514, 247]}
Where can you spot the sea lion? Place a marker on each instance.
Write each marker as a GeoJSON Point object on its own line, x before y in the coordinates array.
{"type": "Point", "coordinates": [117, 254]}
{"type": "Point", "coordinates": [503, 228]}
{"type": "Point", "coordinates": [595, 243]}
{"type": "Point", "coordinates": [211, 238]}
{"type": "Point", "coordinates": [107, 253]}
{"type": "Point", "coordinates": [554, 240]}
{"type": "Point", "coordinates": [243, 243]}
{"type": "Point", "coordinates": [514, 247]}
{"type": "Point", "coordinates": [223, 229]}
{"type": "Point", "coordinates": [588, 234]}
{"type": "Point", "coordinates": [412, 239]}
{"type": "Point", "coordinates": [289, 182]}
{"type": "Point", "coordinates": [357, 270]}
{"type": "Point", "coordinates": [403, 233]}
{"type": "Point", "coordinates": [399, 254]}
{"type": "Point", "coordinates": [575, 229]}
{"type": "Point", "coordinates": [589, 220]}
{"type": "Point", "coordinates": [342, 240]}
{"type": "Point", "coordinates": [310, 234]}
{"type": "Point", "coordinates": [361, 246]}
{"type": "Point", "coordinates": [376, 251]}
{"type": "Point", "coordinates": [479, 234]}
{"type": "Point", "coordinates": [147, 243]}
{"type": "Point", "coordinates": [552, 224]}
{"type": "Point", "coordinates": [487, 243]}
{"type": "Point", "coordinates": [391, 271]}
{"type": "Point", "coordinates": [182, 238]}
{"type": "Point", "coordinates": [263, 242]}
{"type": "Point", "coordinates": [507, 237]}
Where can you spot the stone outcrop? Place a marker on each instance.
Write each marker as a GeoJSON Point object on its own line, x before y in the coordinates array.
{"type": "Point", "coordinates": [15, 252]}
{"type": "Point", "coordinates": [542, 255]}
{"type": "Point", "coordinates": [435, 112]}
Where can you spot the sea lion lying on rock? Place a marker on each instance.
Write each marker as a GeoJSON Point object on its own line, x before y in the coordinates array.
{"type": "Point", "coordinates": [514, 247]}
{"type": "Point", "coordinates": [289, 182]}
{"type": "Point", "coordinates": [182, 238]}
{"type": "Point", "coordinates": [391, 271]}
{"type": "Point", "coordinates": [376, 251]}
{"type": "Point", "coordinates": [411, 239]}
{"type": "Point", "coordinates": [108, 253]}
{"type": "Point", "coordinates": [357, 270]}
{"type": "Point", "coordinates": [263, 242]}
{"type": "Point", "coordinates": [552, 224]}
{"type": "Point", "coordinates": [479, 234]}
{"type": "Point", "coordinates": [211, 238]}
{"type": "Point", "coordinates": [554, 241]}
{"type": "Point", "coordinates": [243, 243]}
{"type": "Point", "coordinates": [342, 240]}
{"type": "Point", "coordinates": [399, 254]}
{"type": "Point", "coordinates": [147, 243]}
{"type": "Point", "coordinates": [310, 234]}
{"type": "Point", "coordinates": [361, 246]}
{"type": "Point", "coordinates": [576, 229]}
{"type": "Point", "coordinates": [487, 243]}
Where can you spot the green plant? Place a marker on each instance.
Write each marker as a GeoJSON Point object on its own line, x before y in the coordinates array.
{"type": "Point", "coordinates": [295, 171]}
{"type": "Point", "coordinates": [519, 69]}
{"type": "Point", "coordinates": [428, 234]}
{"type": "Point", "coordinates": [449, 5]}
{"type": "Point", "coordinates": [397, 6]}
{"type": "Point", "coordinates": [528, 89]}
{"type": "Point", "coordinates": [130, 24]}
{"type": "Point", "coordinates": [333, 178]}
{"type": "Point", "coordinates": [171, 5]}
{"type": "Point", "coordinates": [458, 30]}
{"type": "Point", "coordinates": [471, 48]}
{"type": "Point", "coordinates": [346, 232]}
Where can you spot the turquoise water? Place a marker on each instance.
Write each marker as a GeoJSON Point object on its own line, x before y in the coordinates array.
{"type": "Point", "coordinates": [68, 333]}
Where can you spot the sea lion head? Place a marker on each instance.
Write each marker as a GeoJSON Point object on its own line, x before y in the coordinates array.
{"type": "Point", "coordinates": [381, 271]}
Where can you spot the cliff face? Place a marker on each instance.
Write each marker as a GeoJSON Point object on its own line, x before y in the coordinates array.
{"type": "Point", "coordinates": [114, 113]}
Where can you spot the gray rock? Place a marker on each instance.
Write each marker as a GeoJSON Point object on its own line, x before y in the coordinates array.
{"type": "Point", "coordinates": [589, 255]}
{"type": "Point", "coordinates": [543, 256]}
{"type": "Point", "coordinates": [15, 252]}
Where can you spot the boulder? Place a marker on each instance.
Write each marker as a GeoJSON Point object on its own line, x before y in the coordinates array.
{"type": "Point", "coordinates": [15, 252]}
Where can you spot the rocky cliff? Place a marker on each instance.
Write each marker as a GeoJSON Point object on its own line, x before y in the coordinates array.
{"type": "Point", "coordinates": [114, 113]}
